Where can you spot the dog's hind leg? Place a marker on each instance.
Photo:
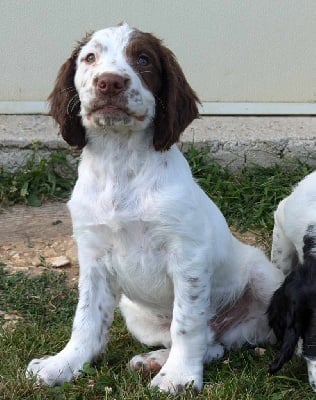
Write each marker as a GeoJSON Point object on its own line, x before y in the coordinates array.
{"type": "Point", "coordinates": [246, 320]}
{"type": "Point", "coordinates": [149, 363]}
{"type": "Point", "coordinates": [150, 328]}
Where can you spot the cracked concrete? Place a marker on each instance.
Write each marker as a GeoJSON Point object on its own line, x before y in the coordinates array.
{"type": "Point", "coordinates": [236, 141]}
{"type": "Point", "coordinates": [232, 141]}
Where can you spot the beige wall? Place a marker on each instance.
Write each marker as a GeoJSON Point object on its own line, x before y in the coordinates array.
{"type": "Point", "coordinates": [244, 51]}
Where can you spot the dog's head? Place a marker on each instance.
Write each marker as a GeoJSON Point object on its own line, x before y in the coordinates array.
{"type": "Point", "coordinates": [123, 80]}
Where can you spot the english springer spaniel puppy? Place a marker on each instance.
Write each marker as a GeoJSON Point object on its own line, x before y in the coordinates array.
{"type": "Point", "coordinates": [292, 312]}
{"type": "Point", "coordinates": [148, 237]}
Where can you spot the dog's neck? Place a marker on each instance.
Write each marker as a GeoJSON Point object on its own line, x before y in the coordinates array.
{"type": "Point", "coordinates": [125, 156]}
{"type": "Point", "coordinates": [110, 141]}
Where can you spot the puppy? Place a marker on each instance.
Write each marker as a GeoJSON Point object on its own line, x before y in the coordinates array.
{"type": "Point", "coordinates": [293, 219]}
{"type": "Point", "coordinates": [292, 311]}
{"type": "Point", "coordinates": [148, 237]}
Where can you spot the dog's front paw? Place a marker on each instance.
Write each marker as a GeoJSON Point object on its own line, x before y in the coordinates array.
{"type": "Point", "coordinates": [177, 380]}
{"type": "Point", "coordinates": [51, 370]}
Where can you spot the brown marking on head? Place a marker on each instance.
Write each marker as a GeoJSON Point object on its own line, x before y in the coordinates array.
{"type": "Point", "coordinates": [64, 100]}
{"type": "Point", "coordinates": [176, 102]}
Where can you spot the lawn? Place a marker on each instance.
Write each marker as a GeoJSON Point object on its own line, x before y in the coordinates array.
{"type": "Point", "coordinates": [36, 313]}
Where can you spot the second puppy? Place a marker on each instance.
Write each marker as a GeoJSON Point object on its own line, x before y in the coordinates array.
{"type": "Point", "coordinates": [292, 311]}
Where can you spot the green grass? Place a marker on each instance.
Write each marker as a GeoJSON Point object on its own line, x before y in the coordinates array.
{"type": "Point", "coordinates": [247, 198]}
{"type": "Point", "coordinates": [47, 306]}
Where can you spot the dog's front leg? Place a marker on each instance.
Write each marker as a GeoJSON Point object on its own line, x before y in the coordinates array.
{"type": "Point", "coordinates": [93, 318]}
{"type": "Point", "coordinates": [188, 332]}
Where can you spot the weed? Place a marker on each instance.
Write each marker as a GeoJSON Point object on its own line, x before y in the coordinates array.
{"type": "Point", "coordinates": [39, 179]}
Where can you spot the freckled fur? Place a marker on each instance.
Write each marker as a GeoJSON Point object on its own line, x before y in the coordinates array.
{"type": "Point", "coordinates": [292, 311]}
{"type": "Point", "coordinates": [148, 237]}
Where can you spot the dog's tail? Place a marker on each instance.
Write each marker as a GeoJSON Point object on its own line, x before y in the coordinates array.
{"type": "Point", "coordinates": [309, 251]}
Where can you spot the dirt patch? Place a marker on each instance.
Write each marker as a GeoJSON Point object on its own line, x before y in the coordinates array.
{"type": "Point", "coordinates": [22, 223]}
{"type": "Point", "coordinates": [32, 237]}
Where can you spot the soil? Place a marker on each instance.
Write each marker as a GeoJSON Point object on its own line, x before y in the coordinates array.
{"type": "Point", "coordinates": [31, 238]}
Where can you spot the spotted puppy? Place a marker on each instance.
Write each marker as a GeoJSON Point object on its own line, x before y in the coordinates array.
{"type": "Point", "coordinates": [292, 312]}
{"type": "Point", "coordinates": [148, 237]}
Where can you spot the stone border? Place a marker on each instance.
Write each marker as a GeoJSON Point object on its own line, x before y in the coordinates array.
{"type": "Point", "coordinates": [232, 141]}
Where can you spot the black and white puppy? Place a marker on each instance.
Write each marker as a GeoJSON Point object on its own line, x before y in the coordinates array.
{"type": "Point", "coordinates": [292, 311]}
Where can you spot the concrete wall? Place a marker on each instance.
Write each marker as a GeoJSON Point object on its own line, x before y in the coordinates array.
{"type": "Point", "coordinates": [232, 51]}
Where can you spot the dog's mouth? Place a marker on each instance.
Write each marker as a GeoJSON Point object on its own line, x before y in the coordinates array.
{"type": "Point", "coordinates": [110, 109]}
{"type": "Point", "coordinates": [114, 111]}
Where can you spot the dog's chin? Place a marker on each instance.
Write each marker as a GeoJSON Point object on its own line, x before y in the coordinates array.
{"type": "Point", "coordinates": [113, 119]}
{"type": "Point", "coordinates": [108, 117]}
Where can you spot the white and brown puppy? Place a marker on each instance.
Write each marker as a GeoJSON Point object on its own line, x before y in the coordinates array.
{"type": "Point", "coordinates": [148, 236]}
{"type": "Point", "coordinates": [292, 312]}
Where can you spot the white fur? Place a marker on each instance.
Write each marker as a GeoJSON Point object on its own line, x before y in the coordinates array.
{"type": "Point", "coordinates": [292, 218]}
{"type": "Point", "coordinates": [148, 235]}
{"type": "Point", "coordinates": [294, 215]}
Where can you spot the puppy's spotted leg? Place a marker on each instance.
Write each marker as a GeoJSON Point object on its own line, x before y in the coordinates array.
{"type": "Point", "coordinates": [93, 318]}
{"type": "Point", "coordinates": [188, 332]}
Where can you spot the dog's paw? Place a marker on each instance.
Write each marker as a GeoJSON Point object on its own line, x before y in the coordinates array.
{"type": "Point", "coordinates": [149, 363]}
{"type": "Point", "coordinates": [177, 381]}
{"type": "Point", "coordinates": [50, 370]}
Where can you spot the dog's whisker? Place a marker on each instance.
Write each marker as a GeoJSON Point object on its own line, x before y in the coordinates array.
{"type": "Point", "coordinates": [72, 103]}
{"type": "Point", "coordinates": [144, 72]}
{"type": "Point", "coordinates": [75, 105]}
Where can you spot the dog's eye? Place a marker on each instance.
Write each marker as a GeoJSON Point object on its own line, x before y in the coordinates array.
{"type": "Point", "coordinates": [143, 60]}
{"type": "Point", "coordinates": [90, 58]}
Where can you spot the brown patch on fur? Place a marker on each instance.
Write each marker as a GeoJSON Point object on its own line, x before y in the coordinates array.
{"type": "Point", "coordinates": [64, 100]}
{"type": "Point", "coordinates": [176, 102]}
{"type": "Point", "coordinates": [147, 366]}
{"type": "Point", "coordinates": [232, 314]}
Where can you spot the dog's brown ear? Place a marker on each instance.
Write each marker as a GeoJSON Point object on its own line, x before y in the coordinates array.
{"type": "Point", "coordinates": [176, 104]}
{"type": "Point", "coordinates": [64, 103]}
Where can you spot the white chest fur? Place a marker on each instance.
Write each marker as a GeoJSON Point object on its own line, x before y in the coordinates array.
{"type": "Point", "coordinates": [120, 209]}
